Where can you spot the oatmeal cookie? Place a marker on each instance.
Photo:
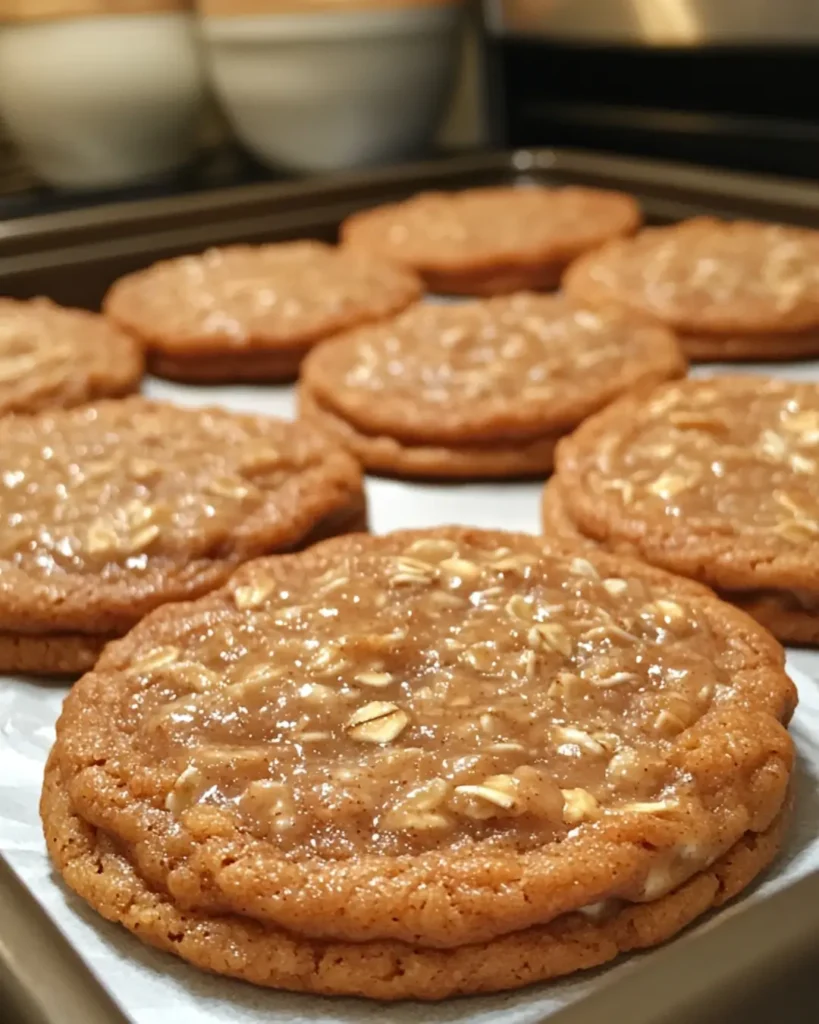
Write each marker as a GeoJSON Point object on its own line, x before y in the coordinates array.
{"type": "Point", "coordinates": [237, 946]}
{"type": "Point", "coordinates": [790, 616]}
{"type": "Point", "coordinates": [712, 479]}
{"type": "Point", "coordinates": [731, 290]}
{"type": "Point", "coordinates": [56, 357]}
{"type": "Point", "coordinates": [140, 503]}
{"type": "Point", "coordinates": [427, 763]}
{"type": "Point", "coordinates": [479, 389]}
{"type": "Point", "coordinates": [557, 524]}
{"type": "Point", "coordinates": [250, 313]}
{"type": "Point", "coordinates": [492, 241]}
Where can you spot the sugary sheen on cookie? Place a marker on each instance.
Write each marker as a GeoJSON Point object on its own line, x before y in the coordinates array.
{"type": "Point", "coordinates": [732, 290]}
{"type": "Point", "coordinates": [52, 357]}
{"type": "Point", "coordinates": [713, 479]}
{"type": "Point", "coordinates": [492, 241]}
{"type": "Point", "coordinates": [112, 509]}
{"type": "Point", "coordinates": [428, 763]}
{"type": "Point", "coordinates": [479, 389]}
{"type": "Point", "coordinates": [252, 312]}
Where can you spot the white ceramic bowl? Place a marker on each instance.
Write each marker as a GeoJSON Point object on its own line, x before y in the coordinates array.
{"type": "Point", "coordinates": [102, 101]}
{"type": "Point", "coordinates": [330, 90]}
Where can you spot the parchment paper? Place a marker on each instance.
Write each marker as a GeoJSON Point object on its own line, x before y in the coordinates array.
{"type": "Point", "coordinates": [153, 987]}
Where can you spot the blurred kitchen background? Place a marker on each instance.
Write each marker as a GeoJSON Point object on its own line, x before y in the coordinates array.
{"type": "Point", "coordinates": [110, 99]}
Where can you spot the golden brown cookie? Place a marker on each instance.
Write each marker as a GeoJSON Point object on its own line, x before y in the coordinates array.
{"type": "Point", "coordinates": [731, 290]}
{"type": "Point", "coordinates": [140, 503]}
{"type": "Point", "coordinates": [237, 946]}
{"type": "Point", "coordinates": [492, 241]}
{"type": "Point", "coordinates": [712, 479]}
{"type": "Point", "coordinates": [479, 389]}
{"type": "Point", "coordinates": [427, 763]}
{"type": "Point", "coordinates": [56, 357]}
{"type": "Point", "coordinates": [557, 524]}
{"type": "Point", "coordinates": [791, 617]}
{"type": "Point", "coordinates": [252, 312]}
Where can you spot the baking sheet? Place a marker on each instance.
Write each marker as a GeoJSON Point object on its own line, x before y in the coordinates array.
{"type": "Point", "coordinates": [150, 986]}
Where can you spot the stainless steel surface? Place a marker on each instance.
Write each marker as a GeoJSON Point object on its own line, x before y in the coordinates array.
{"type": "Point", "coordinates": [660, 22]}
{"type": "Point", "coordinates": [42, 979]}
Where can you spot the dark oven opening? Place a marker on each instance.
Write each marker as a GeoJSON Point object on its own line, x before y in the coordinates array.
{"type": "Point", "coordinates": [747, 108]}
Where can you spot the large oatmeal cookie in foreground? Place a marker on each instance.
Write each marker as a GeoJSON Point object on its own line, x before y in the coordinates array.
{"type": "Point", "coordinates": [112, 509]}
{"type": "Point", "coordinates": [713, 479]}
{"type": "Point", "coordinates": [420, 764]}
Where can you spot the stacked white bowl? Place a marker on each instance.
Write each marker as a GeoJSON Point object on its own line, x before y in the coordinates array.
{"type": "Point", "coordinates": [96, 98]}
{"type": "Point", "coordinates": [321, 85]}
{"type": "Point", "coordinates": [106, 93]}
